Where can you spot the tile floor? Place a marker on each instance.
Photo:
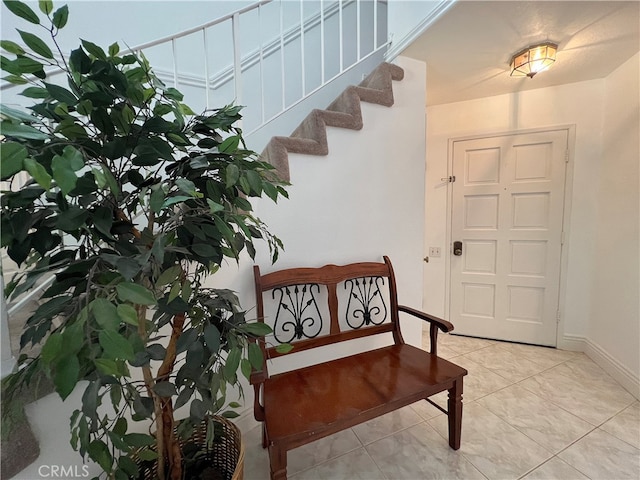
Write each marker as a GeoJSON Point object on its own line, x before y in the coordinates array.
{"type": "Point", "coordinates": [530, 413]}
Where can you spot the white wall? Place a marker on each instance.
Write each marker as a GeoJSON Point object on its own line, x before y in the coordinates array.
{"type": "Point", "coordinates": [614, 326]}
{"type": "Point", "coordinates": [363, 200]}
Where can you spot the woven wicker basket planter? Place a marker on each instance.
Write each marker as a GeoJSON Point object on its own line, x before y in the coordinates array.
{"type": "Point", "coordinates": [224, 460]}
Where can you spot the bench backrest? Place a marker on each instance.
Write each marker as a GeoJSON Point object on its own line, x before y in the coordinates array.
{"type": "Point", "coordinates": [314, 307]}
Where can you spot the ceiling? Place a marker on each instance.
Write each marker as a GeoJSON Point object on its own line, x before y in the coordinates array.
{"type": "Point", "coordinates": [468, 49]}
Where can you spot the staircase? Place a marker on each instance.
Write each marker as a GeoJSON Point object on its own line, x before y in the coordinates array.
{"type": "Point", "coordinates": [310, 137]}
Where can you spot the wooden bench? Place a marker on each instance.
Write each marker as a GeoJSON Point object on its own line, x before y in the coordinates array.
{"type": "Point", "coordinates": [316, 307]}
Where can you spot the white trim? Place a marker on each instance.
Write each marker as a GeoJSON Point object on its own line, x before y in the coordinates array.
{"type": "Point", "coordinates": [397, 48]}
{"type": "Point", "coordinates": [620, 373]}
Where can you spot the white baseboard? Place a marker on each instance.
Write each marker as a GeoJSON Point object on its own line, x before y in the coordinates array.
{"type": "Point", "coordinates": [605, 360]}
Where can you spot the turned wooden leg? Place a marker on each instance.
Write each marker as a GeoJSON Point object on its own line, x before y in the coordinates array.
{"type": "Point", "coordinates": [278, 462]}
{"type": "Point", "coordinates": [265, 438]}
{"type": "Point", "coordinates": [455, 414]}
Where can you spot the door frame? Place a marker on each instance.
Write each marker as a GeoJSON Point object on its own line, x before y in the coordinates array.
{"type": "Point", "coordinates": [566, 218]}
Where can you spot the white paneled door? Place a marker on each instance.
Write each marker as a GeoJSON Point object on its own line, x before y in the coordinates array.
{"type": "Point", "coordinates": [506, 233]}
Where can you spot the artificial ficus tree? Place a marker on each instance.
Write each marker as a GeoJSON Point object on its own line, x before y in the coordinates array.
{"type": "Point", "coordinates": [132, 201]}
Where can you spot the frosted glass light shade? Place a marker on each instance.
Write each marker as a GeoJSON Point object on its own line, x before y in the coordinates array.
{"type": "Point", "coordinates": [534, 59]}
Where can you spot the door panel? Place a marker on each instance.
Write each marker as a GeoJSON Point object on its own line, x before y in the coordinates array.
{"type": "Point", "coordinates": [508, 200]}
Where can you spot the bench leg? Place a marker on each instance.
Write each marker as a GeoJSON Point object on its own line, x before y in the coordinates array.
{"type": "Point", "coordinates": [455, 414]}
{"type": "Point", "coordinates": [278, 462]}
{"type": "Point", "coordinates": [265, 438]}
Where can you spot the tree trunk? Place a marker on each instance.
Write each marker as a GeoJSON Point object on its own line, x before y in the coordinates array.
{"type": "Point", "coordinates": [172, 451]}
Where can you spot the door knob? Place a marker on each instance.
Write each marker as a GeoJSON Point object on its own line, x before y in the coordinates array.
{"type": "Point", "coordinates": [457, 248]}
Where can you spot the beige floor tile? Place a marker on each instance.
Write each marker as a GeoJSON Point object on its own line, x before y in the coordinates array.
{"type": "Point", "coordinates": [582, 388]}
{"type": "Point", "coordinates": [256, 458]}
{"type": "Point", "coordinates": [626, 425]}
{"type": "Point", "coordinates": [555, 469]}
{"type": "Point", "coordinates": [480, 380]}
{"type": "Point", "coordinates": [386, 425]}
{"type": "Point", "coordinates": [509, 365]}
{"type": "Point", "coordinates": [463, 345]}
{"type": "Point", "coordinates": [356, 465]}
{"type": "Point", "coordinates": [493, 446]}
{"type": "Point", "coordinates": [539, 419]}
{"type": "Point", "coordinates": [320, 451]}
{"type": "Point", "coordinates": [420, 453]}
{"type": "Point", "coordinates": [428, 411]}
{"type": "Point", "coordinates": [600, 455]}
{"type": "Point", "coordinates": [547, 357]}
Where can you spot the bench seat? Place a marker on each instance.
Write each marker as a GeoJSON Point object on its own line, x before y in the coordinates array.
{"type": "Point", "coordinates": [323, 399]}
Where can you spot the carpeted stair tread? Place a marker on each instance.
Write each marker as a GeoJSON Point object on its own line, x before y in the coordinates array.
{"type": "Point", "coordinates": [310, 137]}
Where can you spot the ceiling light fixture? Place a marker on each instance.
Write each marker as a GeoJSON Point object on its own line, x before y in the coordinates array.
{"type": "Point", "coordinates": [533, 59]}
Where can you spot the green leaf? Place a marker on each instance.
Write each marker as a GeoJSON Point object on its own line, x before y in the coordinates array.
{"type": "Point", "coordinates": [127, 314]}
{"type": "Point", "coordinates": [232, 363]}
{"type": "Point", "coordinates": [230, 414]}
{"type": "Point", "coordinates": [65, 166]}
{"type": "Point", "coordinates": [12, 155]}
{"type": "Point", "coordinates": [105, 313]}
{"type": "Point", "coordinates": [245, 368]}
{"type": "Point", "coordinates": [52, 348]}
{"type": "Point", "coordinates": [156, 200]}
{"type": "Point", "coordinates": [284, 348]}
{"type": "Point", "coordinates": [36, 44]}
{"type": "Point", "coordinates": [258, 329]}
{"type": "Point", "coordinates": [212, 338]}
{"type": "Point", "coordinates": [146, 454]}
{"type": "Point", "coordinates": [38, 173]}
{"type": "Point", "coordinates": [66, 375]}
{"type": "Point", "coordinates": [139, 439]}
{"type": "Point", "coordinates": [22, 10]}
{"type": "Point", "coordinates": [134, 293]}
{"type": "Point", "coordinates": [232, 174]}
{"type": "Point", "coordinates": [255, 356]}
{"type": "Point", "coordinates": [72, 219]}
{"type": "Point", "coordinates": [107, 366]}
{"type": "Point", "coordinates": [197, 409]}
{"type": "Point", "coordinates": [165, 389]}
{"type": "Point", "coordinates": [230, 144]}
{"type": "Point", "coordinates": [186, 186]}
{"type": "Point", "coordinates": [15, 79]}
{"type": "Point", "coordinates": [94, 49]}
{"type": "Point", "coordinates": [114, 48]}
{"type": "Point", "coordinates": [168, 276]}
{"type": "Point", "coordinates": [11, 47]}
{"type": "Point", "coordinates": [99, 452]}
{"type": "Point", "coordinates": [115, 345]}
{"type": "Point", "coordinates": [61, 16]}
{"type": "Point", "coordinates": [9, 129]}
{"type": "Point", "coordinates": [61, 94]}
{"type": "Point", "coordinates": [35, 92]}
{"type": "Point", "coordinates": [46, 6]}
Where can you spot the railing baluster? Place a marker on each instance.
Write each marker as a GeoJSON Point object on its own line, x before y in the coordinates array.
{"type": "Point", "coordinates": [341, 28]}
{"type": "Point", "coordinates": [375, 24]}
{"type": "Point", "coordinates": [322, 40]}
{"type": "Point", "coordinates": [284, 105]}
{"type": "Point", "coordinates": [262, 115]}
{"type": "Point", "coordinates": [237, 60]}
{"type": "Point", "coordinates": [304, 88]}
{"type": "Point", "coordinates": [206, 68]}
{"type": "Point", "coordinates": [175, 62]}
{"type": "Point", "coordinates": [358, 15]}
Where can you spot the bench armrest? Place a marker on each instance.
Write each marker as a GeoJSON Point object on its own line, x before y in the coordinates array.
{"type": "Point", "coordinates": [440, 323]}
{"type": "Point", "coordinates": [435, 324]}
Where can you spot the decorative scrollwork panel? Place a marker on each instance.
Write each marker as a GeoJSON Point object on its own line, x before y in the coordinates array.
{"type": "Point", "coordinates": [296, 312]}
{"type": "Point", "coordinates": [366, 302]}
